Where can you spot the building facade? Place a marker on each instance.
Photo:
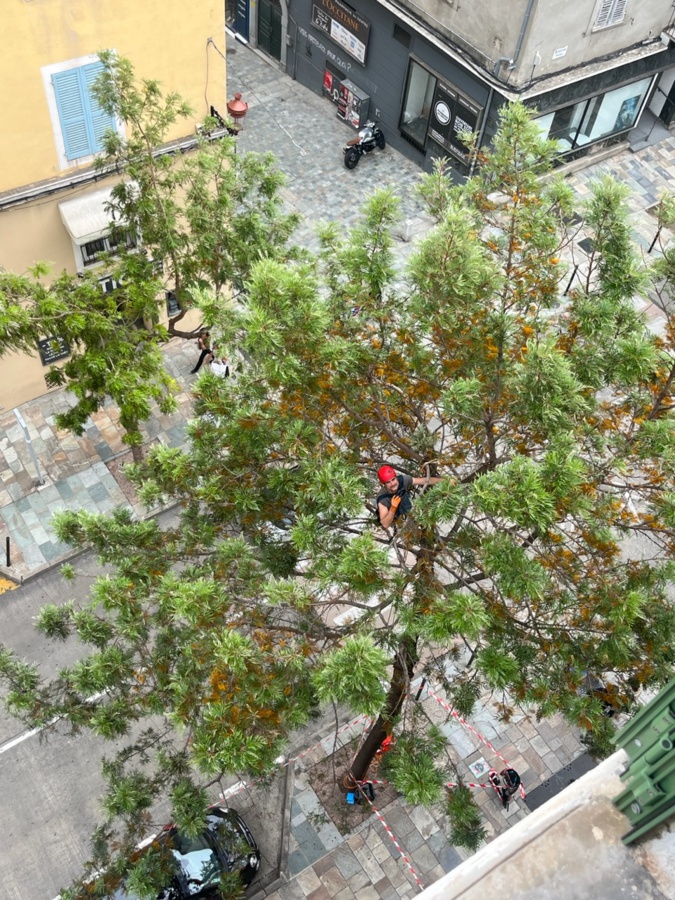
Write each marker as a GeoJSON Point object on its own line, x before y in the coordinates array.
{"type": "Point", "coordinates": [431, 70]}
{"type": "Point", "coordinates": [52, 202]}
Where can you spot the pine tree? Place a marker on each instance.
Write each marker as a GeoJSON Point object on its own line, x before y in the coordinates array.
{"type": "Point", "coordinates": [542, 560]}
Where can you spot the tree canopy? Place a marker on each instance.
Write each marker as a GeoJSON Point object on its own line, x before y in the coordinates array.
{"type": "Point", "coordinates": [542, 558]}
{"type": "Point", "coordinates": [183, 218]}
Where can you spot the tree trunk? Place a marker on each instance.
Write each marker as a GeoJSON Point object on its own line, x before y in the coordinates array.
{"type": "Point", "coordinates": [406, 659]}
{"type": "Point", "coordinates": [137, 453]}
{"type": "Point", "coordinates": [404, 669]}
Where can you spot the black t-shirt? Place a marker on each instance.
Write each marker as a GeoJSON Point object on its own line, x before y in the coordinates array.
{"type": "Point", "coordinates": [405, 482]}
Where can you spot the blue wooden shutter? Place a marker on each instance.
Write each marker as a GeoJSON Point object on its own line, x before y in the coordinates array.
{"type": "Point", "coordinates": [83, 122]}
{"type": "Point", "coordinates": [72, 104]}
{"type": "Point", "coordinates": [100, 120]}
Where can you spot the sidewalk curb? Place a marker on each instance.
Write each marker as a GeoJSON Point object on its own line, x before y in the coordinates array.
{"type": "Point", "coordinates": [279, 877]}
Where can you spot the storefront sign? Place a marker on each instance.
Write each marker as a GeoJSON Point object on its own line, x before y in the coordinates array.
{"type": "Point", "coordinates": [452, 116]}
{"type": "Point", "coordinates": [343, 25]}
{"type": "Point", "coordinates": [52, 348]}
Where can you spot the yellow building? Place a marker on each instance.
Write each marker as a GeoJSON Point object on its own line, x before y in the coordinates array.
{"type": "Point", "coordinates": [51, 200]}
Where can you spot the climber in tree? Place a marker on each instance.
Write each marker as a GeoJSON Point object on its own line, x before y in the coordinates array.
{"type": "Point", "coordinates": [394, 501]}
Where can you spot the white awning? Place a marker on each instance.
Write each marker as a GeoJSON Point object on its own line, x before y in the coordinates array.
{"type": "Point", "coordinates": [85, 216]}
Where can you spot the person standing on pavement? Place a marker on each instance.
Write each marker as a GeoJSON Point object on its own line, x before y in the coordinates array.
{"type": "Point", "coordinates": [395, 501]}
{"type": "Point", "coordinates": [506, 784]}
{"type": "Point", "coordinates": [204, 345]}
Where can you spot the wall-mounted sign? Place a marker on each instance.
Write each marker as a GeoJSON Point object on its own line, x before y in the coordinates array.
{"type": "Point", "coordinates": [51, 349]}
{"type": "Point", "coordinates": [442, 112]}
{"type": "Point", "coordinates": [343, 25]}
{"type": "Point", "coordinates": [452, 116]}
{"type": "Point", "coordinates": [559, 53]}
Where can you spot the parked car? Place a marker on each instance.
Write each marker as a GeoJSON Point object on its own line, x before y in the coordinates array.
{"type": "Point", "coordinates": [226, 845]}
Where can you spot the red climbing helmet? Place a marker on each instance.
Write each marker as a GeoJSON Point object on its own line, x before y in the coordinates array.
{"type": "Point", "coordinates": [385, 474]}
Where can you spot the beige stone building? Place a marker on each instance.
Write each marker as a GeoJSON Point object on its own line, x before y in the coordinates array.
{"type": "Point", "coordinates": [51, 199]}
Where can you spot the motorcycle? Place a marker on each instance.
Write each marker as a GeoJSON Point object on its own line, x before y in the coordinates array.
{"type": "Point", "coordinates": [368, 139]}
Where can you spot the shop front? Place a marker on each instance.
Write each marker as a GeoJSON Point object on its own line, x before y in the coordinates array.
{"type": "Point", "coordinates": [377, 63]}
{"type": "Point", "coordinates": [370, 64]}
{"type": "Point", "coordinates": [576, 126]}
{"type": "Point", "coordinates": [437, 116]}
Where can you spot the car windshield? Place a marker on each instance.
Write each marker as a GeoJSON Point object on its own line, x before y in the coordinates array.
{"type": "Point", "coordinates": [232, 843]}
{"type": "Point", "coordinates": [197, 860]}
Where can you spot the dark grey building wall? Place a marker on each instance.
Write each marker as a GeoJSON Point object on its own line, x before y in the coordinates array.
{"type": "Point", "coordinates": [383, 77]}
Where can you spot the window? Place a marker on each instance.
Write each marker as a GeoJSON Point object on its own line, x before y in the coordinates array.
{"type": "Point", "coordinates": [611, 12]}
{"type": "Point", "coordinates": [93, 250]}
{"type": "Point", "coordinates": [78, 121]}
{"type": "Point", "coordinates": [437, 112]}
{"type": "Point", "coordinates": [417, 105]}
{"type": "Point", "coordinates": [591, 120]}
{"type": "Point", "coordinates": [109, 284]}
{"type": "Point", "coordinates": [172, 304]}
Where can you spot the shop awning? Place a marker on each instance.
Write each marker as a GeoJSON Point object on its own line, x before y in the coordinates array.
{"type": "Point", "coordinates": [85, 216]}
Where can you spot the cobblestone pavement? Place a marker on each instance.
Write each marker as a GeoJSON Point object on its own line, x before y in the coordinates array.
{"type": "Point", "coordinates": [77, 471]}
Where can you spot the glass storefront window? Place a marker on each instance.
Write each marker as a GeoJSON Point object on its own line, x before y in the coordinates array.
{"type": "Point", "coordinates": [417, 104]}
{"type": "Point", "coordinates": [591, 120]}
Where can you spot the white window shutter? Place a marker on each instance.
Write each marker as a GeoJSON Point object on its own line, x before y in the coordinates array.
{"type": "Point", "coordinates": [611, 12]}
{"type": "Point", "coordinates": [619, 11]}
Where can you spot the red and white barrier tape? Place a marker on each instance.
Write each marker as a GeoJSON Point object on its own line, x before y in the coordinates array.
{"type": "Point", "coordinates": [446, 706]}
{"type": "Point", "coordinates": [391, 834]}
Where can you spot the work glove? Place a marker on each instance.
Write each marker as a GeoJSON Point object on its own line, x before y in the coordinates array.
{"type": "Point", "coordinates": [395, 502]}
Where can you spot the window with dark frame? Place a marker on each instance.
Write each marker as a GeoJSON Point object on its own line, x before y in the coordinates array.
{"type": "Point", "coordinates": [172, 304]}
{"type": "Point", "coordinates": [435, 116]}
{"type": "Point", "coordinates": [419, 94]}
{"type": "Point", "coordinates": [108, 284]}
{"type": "Point", "coordinates": [92, 251]}
{"type": "Point", "coordinates": [599, 118]}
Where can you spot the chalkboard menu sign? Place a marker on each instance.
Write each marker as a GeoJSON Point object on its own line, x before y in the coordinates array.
{"type": "Point", "coordinates": [52, 348]}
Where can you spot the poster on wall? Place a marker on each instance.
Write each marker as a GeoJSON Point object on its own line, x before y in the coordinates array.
{"type": "Point", "coordinates": [465, 122]}
{"type": "Point", "coordinates": [343, 25]}
{"type": "Point", "coordinates": [627, 113]}
{"type": "Point", "coordinates": [331, 85]}
{"type": "Point", "coordinates": [442, 110]}
{"type": "Point", "coordinates": [452, 116]}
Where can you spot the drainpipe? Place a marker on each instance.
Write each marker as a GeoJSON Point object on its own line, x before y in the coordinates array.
{"type": "Point", "coordinates": [521, 36]}
{"type": "Point", "coordinates": [481, 135]}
